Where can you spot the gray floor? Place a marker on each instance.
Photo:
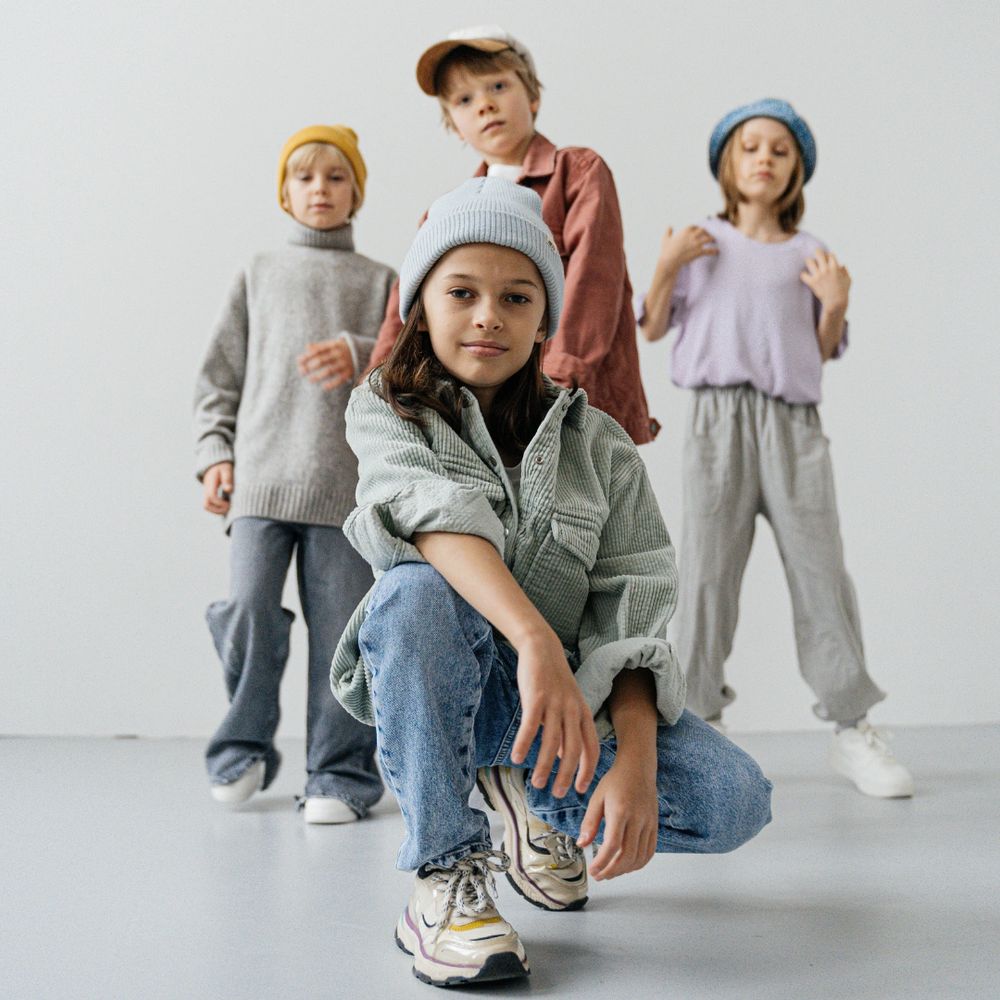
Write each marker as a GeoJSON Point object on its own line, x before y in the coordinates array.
{"type": "Point", "coordinates": [121, 878]}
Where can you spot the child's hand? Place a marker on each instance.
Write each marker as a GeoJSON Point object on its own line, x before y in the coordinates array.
{"type": "Point", "coordinates": [551, 698]}
{"type": "Point", "coordinates": [625, 798]}
{"type": "Point", "coordinates": [328, 362]}
{"type": "Point", "coordinates": [828, 279]}
{"type": "Point", "coordinates": [218, 478]}
{"type": "Point", "coordinates": [684, 246]}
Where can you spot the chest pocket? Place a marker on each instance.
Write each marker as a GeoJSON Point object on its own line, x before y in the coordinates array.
{"type": "Point", "coordinates": [581, 538]}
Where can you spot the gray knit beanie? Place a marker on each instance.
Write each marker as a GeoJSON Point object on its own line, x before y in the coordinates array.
{"type": "Point", "coordinates": [485, 210]}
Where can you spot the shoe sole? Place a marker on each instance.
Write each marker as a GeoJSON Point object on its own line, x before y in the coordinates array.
{"type": "Point", "coordinates": [320, 815]}
{"type": "Point", "coordinates": [503, 965]}
{"type": "Point", "coordinates": [509, 816]}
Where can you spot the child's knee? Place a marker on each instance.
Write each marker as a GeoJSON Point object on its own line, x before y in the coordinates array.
{"type": "Point", "coordinates": [413, 604]}
{"type": "Point", "coordinates": [741, 807]}
{"type": "Point", "coordinates": [414, 598]}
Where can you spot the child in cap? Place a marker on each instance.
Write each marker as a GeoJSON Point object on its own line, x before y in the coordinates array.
{"type": "Point", "coordinates": [274, 462]}
{"type": "Point", "coordinates": [489, 93]}
{"type": "Point", "coordinates": [525, 574]}
{"type": "Point", "coordinates": [759, 306]}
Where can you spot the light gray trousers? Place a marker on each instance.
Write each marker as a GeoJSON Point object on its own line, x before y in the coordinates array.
{"type": "Point", "coordinates": [748, 454]}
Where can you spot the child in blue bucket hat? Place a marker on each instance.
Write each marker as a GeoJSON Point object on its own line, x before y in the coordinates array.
{"type": "Point", "coordinates": [759, 305]}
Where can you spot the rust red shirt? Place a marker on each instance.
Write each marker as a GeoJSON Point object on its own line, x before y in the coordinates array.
{"type": "Point", "coordinates": [595, 346]}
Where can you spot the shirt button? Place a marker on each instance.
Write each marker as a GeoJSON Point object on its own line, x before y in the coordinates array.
{"type": "Point", "coordinates": [492, 460]}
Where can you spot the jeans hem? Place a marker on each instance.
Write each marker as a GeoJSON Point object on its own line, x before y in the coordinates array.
{"type": "Point", "coordinates": [452, 858]}
{"type": "Point", "coordinates": [236, 771]}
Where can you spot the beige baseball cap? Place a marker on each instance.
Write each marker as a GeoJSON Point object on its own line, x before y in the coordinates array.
{"type": "Point", "coordinates": [485, 37]}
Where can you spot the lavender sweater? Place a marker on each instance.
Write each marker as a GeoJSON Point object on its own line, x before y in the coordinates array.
{"type": "Point", "coordinates": [745, 317]}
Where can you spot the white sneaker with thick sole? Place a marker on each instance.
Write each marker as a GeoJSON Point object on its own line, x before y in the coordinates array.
{"type": "Point", "coordinates": [452, 928]}
{"type": "Point", "coordinates": [249, 782]}
{"type": "Point", "coordinates": [326, 809]}
{"type": "Point", "coordinates": [546, 866]}
{"type": "Point", "coordinates": [861, 753]}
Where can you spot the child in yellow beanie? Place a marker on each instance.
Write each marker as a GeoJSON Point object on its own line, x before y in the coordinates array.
{"type": "Point", "coordinates": [274, 462]}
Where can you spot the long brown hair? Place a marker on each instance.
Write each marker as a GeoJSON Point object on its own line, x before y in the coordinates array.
{"type": "Point", "coordinates": [412, 379]}
{"type": "Point", "coordinates": [791, 205]}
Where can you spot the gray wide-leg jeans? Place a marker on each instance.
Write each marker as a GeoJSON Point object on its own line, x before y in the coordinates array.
{"type": "Point", "coordinates": [748, 454]}
{"type": "Point", "coordinates": [251, 634]}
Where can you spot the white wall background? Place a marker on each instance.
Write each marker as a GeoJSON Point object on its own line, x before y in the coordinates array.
{"type": "Point", "coordinates": [138, 144]}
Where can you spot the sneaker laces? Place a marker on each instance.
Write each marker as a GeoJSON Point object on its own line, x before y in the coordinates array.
{"type": "Point", "coordinates": [469, 884]}
{"type": "Point", "coordinates": [563, 848]}
{"type": "Point", "coordinates": [878, 740]}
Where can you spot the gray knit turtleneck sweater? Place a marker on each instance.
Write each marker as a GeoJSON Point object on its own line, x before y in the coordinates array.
{"type": "Point", "coordinates": [285, 434]}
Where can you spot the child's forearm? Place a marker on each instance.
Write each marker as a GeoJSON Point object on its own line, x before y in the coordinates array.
{"type": "Point", "coordinates": [656, 321]}
{"type": "Point", "coordinates": [476, 571]}
{"type": "Point", "coordinates": [632, 707]}
{"type": "Point", "coordinates": [830, 329]}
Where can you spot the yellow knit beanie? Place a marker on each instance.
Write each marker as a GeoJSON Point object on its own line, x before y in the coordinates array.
{"type": "Point", "coordinates": [341, 136]}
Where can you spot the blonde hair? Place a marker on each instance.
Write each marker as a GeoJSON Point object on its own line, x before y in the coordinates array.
{"type": "Point", "coordinates": [303, 157]}
{"type": "Point", "coordinates": [791, 205]}
{"type": "Point", "coordinates": [480, 63]}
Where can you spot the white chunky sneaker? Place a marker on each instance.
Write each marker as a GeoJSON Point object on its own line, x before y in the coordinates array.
{"type": "Point", "coordinates": [326, 809]}
{"type": "Point", "coordinates": [546, 866]}
{"type": "Point", "coordinates": [862, 754]}
{"type": "Point", "coordinates": [249, 782]}
{"type": "Point", "coordinates": [452, 928]}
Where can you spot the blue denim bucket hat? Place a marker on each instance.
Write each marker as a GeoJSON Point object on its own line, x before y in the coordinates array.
{"type": "Point", "coordinates": [770, 107]}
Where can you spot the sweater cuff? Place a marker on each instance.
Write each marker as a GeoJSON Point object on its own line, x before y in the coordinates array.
{"type": "Point", "coordinates": [361, 350]}
{"type": "Point", "coordinates": [209, 452]}
{"type": "Point", "coordinates": [598, 671]}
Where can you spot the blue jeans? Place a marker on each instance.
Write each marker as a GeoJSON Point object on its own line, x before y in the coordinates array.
{"type": "Point", "coordinates": [446, 702]}
{"type": "Point", "coordinates": [251, 634]}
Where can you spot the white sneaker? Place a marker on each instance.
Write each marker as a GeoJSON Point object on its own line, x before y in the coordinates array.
{"type": "Point", "coordinates": [235, 792]}
{"type": "Point", "coordinates": [452, 928]}
{"type": "Point", "coordinates": [326, 809]}
{"type": "Point", "coordinates": [862, 754]}
{"type": "Point", "coordinates": [547, 867]}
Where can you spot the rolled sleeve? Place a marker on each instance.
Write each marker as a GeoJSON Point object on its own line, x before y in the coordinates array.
{"type": "Point", "coordinates": [598, 671]}
{"type": "Point", "coordinates": [381, 532]}
{"type": "Point", "coordinates": [404, 488]}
